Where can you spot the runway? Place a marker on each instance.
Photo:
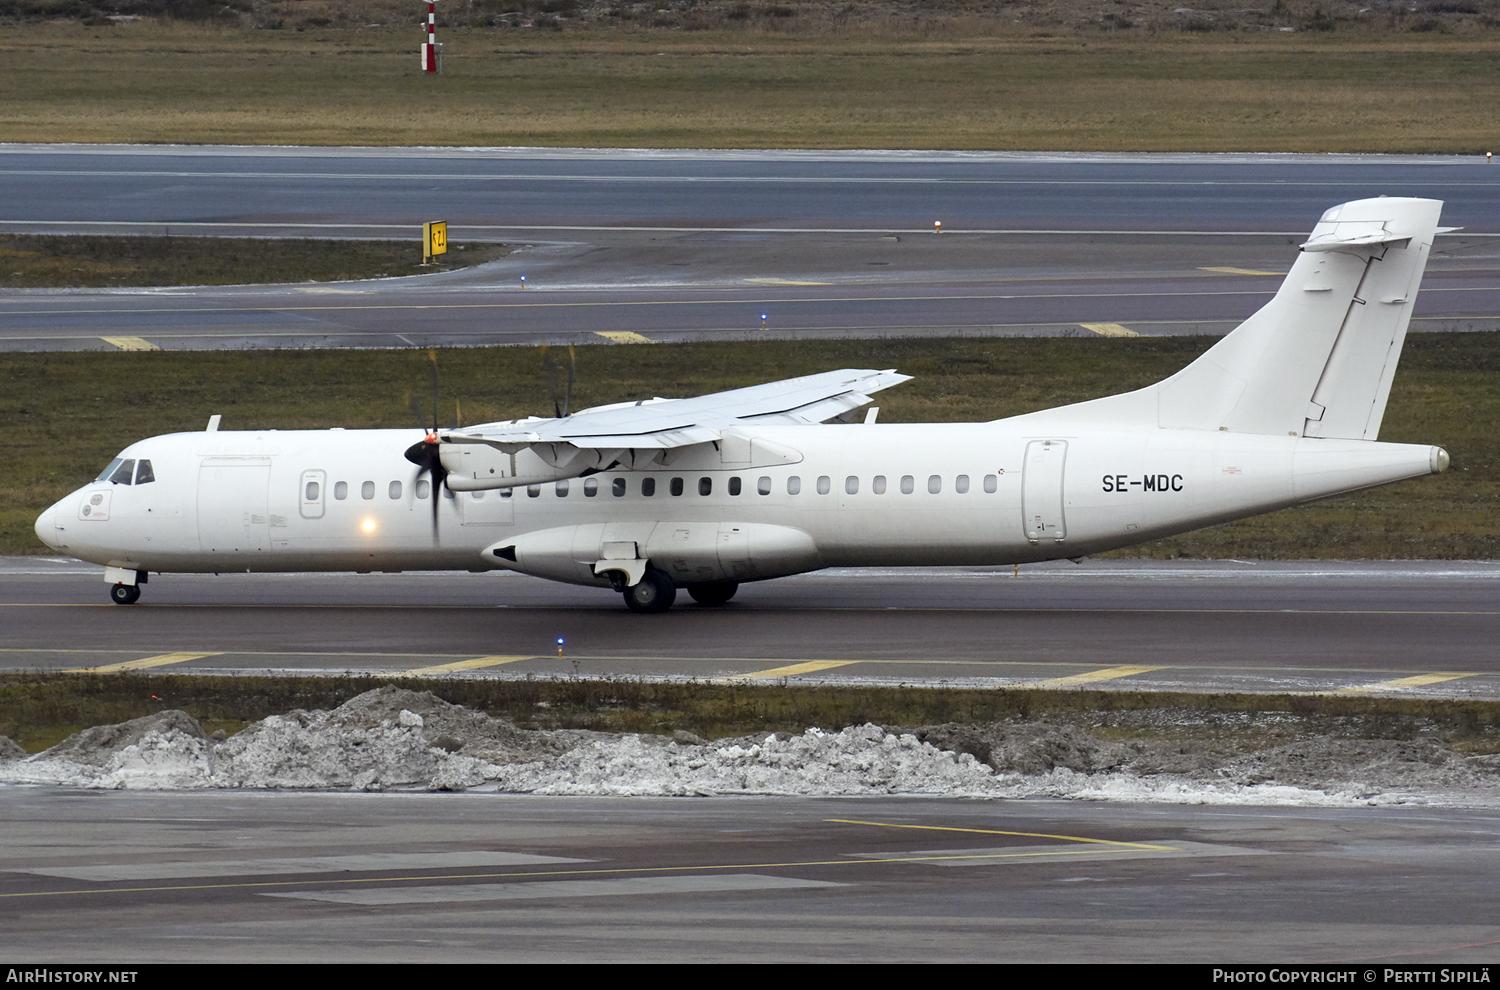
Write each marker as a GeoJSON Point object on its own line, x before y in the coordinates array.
{"type": "Point", "coordinates": [120, 877]}
{"type": "Point", "coordinates": [692, 246]}
{"type": "Point", "coordinates": [1382, 628]}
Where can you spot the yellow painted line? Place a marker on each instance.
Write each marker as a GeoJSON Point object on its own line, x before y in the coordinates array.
{"type": "Point", "coordinates": [1109, 329]}
{"type": "Point", "coordinates": [1239, 271]}
{"type": "Point", "coordinates": [157, 661]}
{"type": "Point", "coordinates": [1093, 676]}
{"type": "Point", "coordinates": [624, 336]}
{"type": "Point", "coordinates": [478, 663]}
{"type": "Point", "coordinates": [990, 831]}
{"type": "Point", "coordinates": [807, 667]}
{"type": "Point", "coordinates": [326, 881]}
{"type": "Point", "coordinates": [1421, 680]}
{"type": "Point", "coordinates": [131, 343]}
{"type": "Point", "coordinates": [781, 281]}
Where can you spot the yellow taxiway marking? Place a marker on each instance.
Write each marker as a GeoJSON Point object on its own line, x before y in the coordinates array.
{"type": "Point", "coordinates": [990, 831]}
{"type": "Point", "coordinates": [1107, 674]}
{"type": "Point", "coordinates": [1109, 329]}
{"type": "Point", "coordinates": [781, 281]}
{"type": "Point", "coordinates": [131, 343]}
{"type": "Point", "coordinates": [157, 661]}
{"type": "Point", "coordinates": [478, 663]}
{"type": "Point", "coordinates": [806, 667]}
{"type": "Point", "coordinates": [1421, 680]}
{"type": "Point", "coordinates": [1239, 271]}
{"type": "Point", "coordinates": [624, 336]}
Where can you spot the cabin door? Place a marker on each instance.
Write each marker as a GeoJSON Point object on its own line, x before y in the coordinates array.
{"type": "Point", "coordinates": [1042, 490]}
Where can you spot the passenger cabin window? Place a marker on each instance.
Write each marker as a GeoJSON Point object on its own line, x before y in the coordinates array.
{"type": "Point", "coordinates": [734, 486]}
{"type": "Point", "coordinates": [705, 486]}
{"type": "Point", "coordinates": [617, 488]}
{"type": "Point", "coordinates": [533, 491]}
{"type": "Point", "coordinates": [763, 486]}
{"type": "Point", "coordinates": [908, 484]}
{"type": "Point", "coordinates": [394, 490]}
{"type": "Point", "coordinates": [878, 486]}
{"type": "Point", "coordinates": [144, 475]}
{"type": "Point", "coordinates": [506, 493]}
{"type": "Point", "coordinates": [367, 490]}
{"type": "Point", "coordinates": [122, 473]}
{"type": "Point", "coordinates": [561, 488]}
{"type": "Point", "coordinates": [851, 485]}
{"type": "Point", "coordinates": [961, 484]}
{"type": "Point", "coordinates": [448, 492]}
{"type": "Point", "coordinates": [824, 485]}
{"type": "Point", "coordinates": [991, 483]}
{"type": "Point", "coordinates": [341, 490]}
{"type": "Point", "coordinates": [311, 494]}
{"type": "Point", "coordinates": [590, 487]}
{"type": "Point", "coordinates": [675, 486]}
{"type": "Point", "coordinates": [648, 487]}
{"type": "Point", "coordinates": [424, 488]}
{"type": "Point", "coordinates": [793, 485]}
{"type": "Point", "coordinates": [934, 484]}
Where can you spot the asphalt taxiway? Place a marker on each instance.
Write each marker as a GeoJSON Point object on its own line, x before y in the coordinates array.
{"type": "Point", "coordinates": [1393, 628]}
{"type": "Point", "coordinates": [126, 877]}
{"type": "Point", "coordinates": [649, 246]}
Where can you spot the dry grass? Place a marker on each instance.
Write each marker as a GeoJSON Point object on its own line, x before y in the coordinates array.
{"type": "Point", "coordinates": [67, 261]}
{"type": "Point", "coordinates": [63, 416]}
{"type": "Point", "coordinates": [756, 87]}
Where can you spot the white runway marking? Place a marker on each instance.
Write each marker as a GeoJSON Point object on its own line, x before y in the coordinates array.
{"type": "Point", "coordinates": [109, 872]}
{"type": "Point", "coordinates": [1070, 853]}
{"type": "Point", "coordinates": [633, 887]}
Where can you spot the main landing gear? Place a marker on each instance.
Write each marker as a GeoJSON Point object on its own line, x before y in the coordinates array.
{"type": "Point", "coordinates": [655, 592]}
{"type": "Point", "coordinates": [714, 593]}
{"type": "Point", "coordinates": [124, 594]}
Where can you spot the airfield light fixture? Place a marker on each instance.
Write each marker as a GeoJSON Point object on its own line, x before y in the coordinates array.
{"type": "Point", "coordinates": [937, 226]}
{"type": "Point", "coordinates": [559, 647]}
{"type": "Point", "coordinates": [523, 283]}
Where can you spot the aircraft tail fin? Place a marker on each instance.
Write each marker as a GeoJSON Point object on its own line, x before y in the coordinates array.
{"type": "Point", "coordinates": [1318, 359]}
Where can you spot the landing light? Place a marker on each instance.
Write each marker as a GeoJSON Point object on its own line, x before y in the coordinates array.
{"type": "Point", "coordinates": [368, 525]}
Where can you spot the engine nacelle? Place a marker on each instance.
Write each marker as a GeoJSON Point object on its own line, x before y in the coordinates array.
{"type": "Point", "coordinates": [476, 467]}
{"type": "Point", "coordinates": [692, 552]}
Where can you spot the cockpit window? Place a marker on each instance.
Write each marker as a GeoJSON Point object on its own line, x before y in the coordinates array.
{"type": "Point", "coordinates": [144, 474]}
{"type": "Point", "coordinates": [122, 474]}
{"type": "Point", "coordinates": [105, 474]}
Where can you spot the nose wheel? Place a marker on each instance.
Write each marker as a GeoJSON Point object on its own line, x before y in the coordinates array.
{"type": "Point", "coordinates": [124, 594]}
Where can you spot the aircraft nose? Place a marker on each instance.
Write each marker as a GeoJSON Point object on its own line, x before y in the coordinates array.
{"type": "Point", "coordinates": [46, 526]}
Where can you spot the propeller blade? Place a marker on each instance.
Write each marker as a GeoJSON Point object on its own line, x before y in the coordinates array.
{"type": "Point", "coordinates": [572, 367]}
{"type": "Point", "coordinates": [425, 455]}
{"type": "Point", "coordinates": [415, 405]}
{"type": "Point", "coordinates": [432, 356]}
{"type": "Point", "coordinates": [551, 381]}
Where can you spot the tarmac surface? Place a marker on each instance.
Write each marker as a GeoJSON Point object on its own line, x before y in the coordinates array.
{"type": "Point", "coordinates": [124, 877]}
{"type": "Point", "coordinates": [702, 245]}
{"type": "Point", "coordinates": [1394, 628]}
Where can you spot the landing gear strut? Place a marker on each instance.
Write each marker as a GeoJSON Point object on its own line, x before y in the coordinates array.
{"type": "Point", "coordinates": [124, 594]}
{"type": "Point", "coordinates": [655, 592]}
{"type": "Point", "coordinates": [713, 593]}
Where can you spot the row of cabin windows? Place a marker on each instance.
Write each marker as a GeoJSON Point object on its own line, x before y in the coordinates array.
{"type": "Point", "coordinates": [878, 485]}
{"type": "Point", "coordinates": [675, 486]}
{"type": "Point", "coordinates": [122, 469]}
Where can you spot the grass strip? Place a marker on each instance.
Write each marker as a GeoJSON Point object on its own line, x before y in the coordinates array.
{"type": "Point", "coordinates": [39, 710]}
{"type": "Point", "coordinates": [31, 261]}
{"type": "Point", "coordinates": [1336, 91]}
{"type": "Point", "coordinates": [65, 415]}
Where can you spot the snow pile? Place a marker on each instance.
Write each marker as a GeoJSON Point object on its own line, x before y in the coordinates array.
{"type": "Point", "coordinates": [398, 739]}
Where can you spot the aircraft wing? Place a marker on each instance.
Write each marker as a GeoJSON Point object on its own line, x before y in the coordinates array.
{"type": "Point", "coordinates": [667, 423]}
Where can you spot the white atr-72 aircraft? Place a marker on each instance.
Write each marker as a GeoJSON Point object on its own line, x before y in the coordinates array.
{"type": "Point", "coordinates": [756, 483]}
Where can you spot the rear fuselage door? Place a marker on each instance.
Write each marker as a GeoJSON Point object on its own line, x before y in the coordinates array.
{"type": "Point", "coordinates": [1042, 490]}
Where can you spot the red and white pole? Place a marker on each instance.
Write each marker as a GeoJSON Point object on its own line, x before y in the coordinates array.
{"type": "Point", "coordinates": [429, 50]}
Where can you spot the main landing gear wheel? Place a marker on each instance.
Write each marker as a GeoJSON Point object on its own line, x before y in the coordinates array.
{"type": "Point", "coordinates": [125, 594]}
{"type": "Point", "coordinates": [655, 593]}
{"type": "Point", "coordinates": [714, 593]}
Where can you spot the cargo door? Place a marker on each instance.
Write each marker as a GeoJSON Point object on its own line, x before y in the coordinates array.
{"type": "Point", "coordinates": [232, 513]}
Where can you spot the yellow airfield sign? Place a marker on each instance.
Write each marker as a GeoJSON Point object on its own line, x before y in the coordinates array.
{"type": "Point", "coordinates": [434, 239]}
